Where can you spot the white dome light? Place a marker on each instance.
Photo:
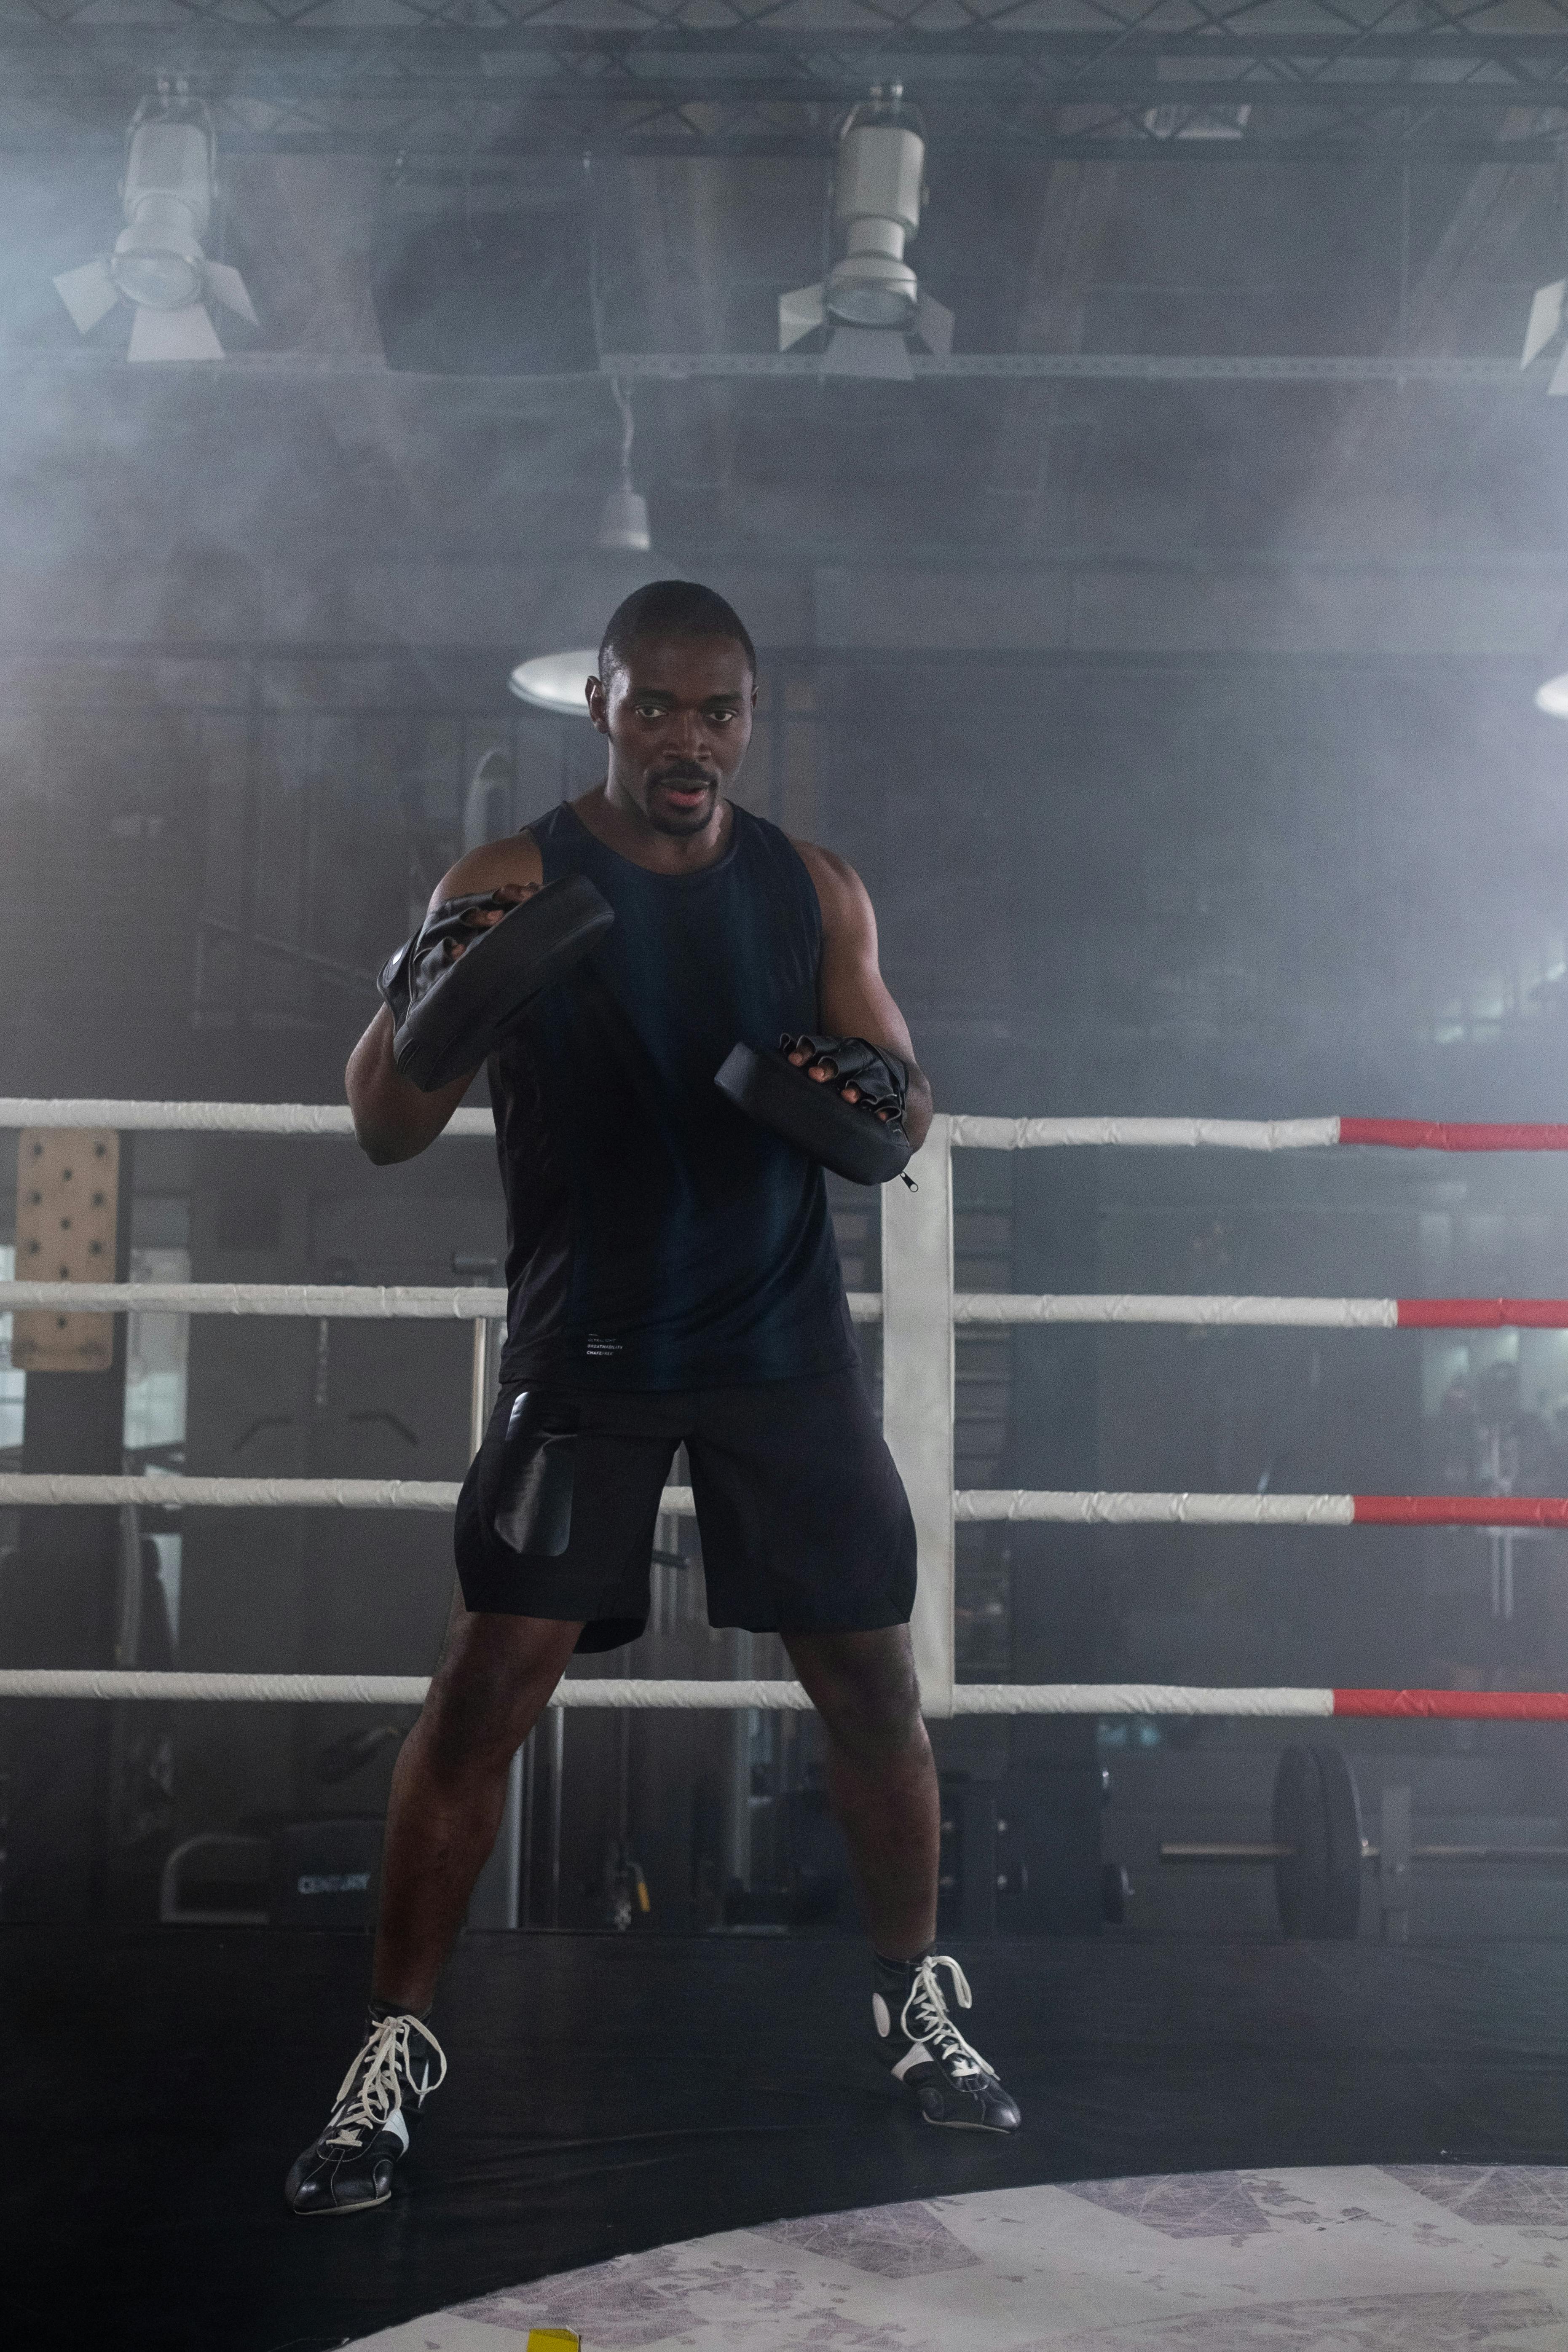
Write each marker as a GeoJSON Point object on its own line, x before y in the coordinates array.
{"type": "Point", "coordinates": [555, 681]}
{"type": "Point", "coordinates": [1552, 696]}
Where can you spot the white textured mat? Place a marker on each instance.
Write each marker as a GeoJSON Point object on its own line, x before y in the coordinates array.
{"type": "Point", "coordinates": [1412, 2259]}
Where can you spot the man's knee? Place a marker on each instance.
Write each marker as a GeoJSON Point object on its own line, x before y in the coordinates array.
{"type": "Point", "coordinates": [865, 1689]}
{"type": "Point", "coordinates": [494, 1674]}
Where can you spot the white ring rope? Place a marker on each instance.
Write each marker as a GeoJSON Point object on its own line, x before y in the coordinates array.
{"type": "Point", "coordinates": [206, 1118]}
{"type": "Point", "coordinates": [164, 1490]}
{"type": "Point", "coordinates": [1135, 1698]}
{"type": "Point", "coordinates": [371, 1302]}
{"type": "Point", "coordinates": [607, 1691]}
{"type": "Point", "coordinates": [59, 1488]}
{"type": "Point", "coordinates": [1109, 1510]}
{"type": "Point", "coordinates": [1143, 1134]}
{"type": "Point", "coordinates": [1308, 1314]}
{"type": "Point", "coordinates": [379, 1690]}
{"type": "Point", "coordinates": [345, 1302]}
{"type": "Point", "coordinates": [986, 1134]}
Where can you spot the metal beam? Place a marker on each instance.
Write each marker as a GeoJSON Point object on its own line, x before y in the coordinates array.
{"type": "Point", "coordinates": [1371, 28]}
{"type": "Point", "coordinates": [282, 368]}
{"type": "Point", "coordinates": [531, 82]}
{"type": "Point", "coordinates": [1106, 367]}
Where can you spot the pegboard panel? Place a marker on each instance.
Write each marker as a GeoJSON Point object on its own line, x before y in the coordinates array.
{"type": "Point", "coordinates": [67, 1187]}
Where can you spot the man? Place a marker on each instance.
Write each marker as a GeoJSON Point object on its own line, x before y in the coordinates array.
{"type": "Point", "coordinates": [672, 1279]}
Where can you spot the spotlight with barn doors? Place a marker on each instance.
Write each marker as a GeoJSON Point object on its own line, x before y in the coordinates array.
{"type": "Point", "coordinates": [159, 264]}
{"type": "Point", "coordinates": [871, 299]}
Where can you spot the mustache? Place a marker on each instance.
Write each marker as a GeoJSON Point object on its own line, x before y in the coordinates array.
{"type": "Point", "coordinates": [683, 772]}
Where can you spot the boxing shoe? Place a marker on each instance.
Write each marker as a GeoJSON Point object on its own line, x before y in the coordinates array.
{"type": "Point", "coordinates": [349, 2168]}
{"type": "Point", "coordinates": [922, 2048]}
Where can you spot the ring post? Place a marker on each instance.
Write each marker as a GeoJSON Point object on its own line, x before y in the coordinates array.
{"type": "Point", "coordinates": [917, 1391]}
{"type": "Point", "coordinates": [495, 1899]}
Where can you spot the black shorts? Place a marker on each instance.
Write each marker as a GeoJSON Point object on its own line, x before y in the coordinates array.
{"type": "Point", "coordinates": [804, 1524]}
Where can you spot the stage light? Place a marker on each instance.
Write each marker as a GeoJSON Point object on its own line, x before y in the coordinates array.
{"type": "Point", "coordinates": [556, 681]}
{"type": "Point", "coordinates": [1545, 324]}
{"type": "Point", "coordinates": [623, 523]}
{"type": "Point", "coordinates": [623, 518]}
{"type": "Point", "coordinates": [1552, 696]}
{"type": "Point", "coordinates": [159, 264]}
{"type": "Point", "coordinates": [871, 298]}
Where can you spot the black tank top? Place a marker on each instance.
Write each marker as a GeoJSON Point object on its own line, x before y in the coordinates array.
{"type": "Point", "coordinates": [656, 1237]}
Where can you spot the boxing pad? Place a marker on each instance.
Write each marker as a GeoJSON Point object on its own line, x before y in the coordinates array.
{"type": "Point", "coordinates": [848, 1137]}
{"type": "Point", "coordinates": [450, 1010]}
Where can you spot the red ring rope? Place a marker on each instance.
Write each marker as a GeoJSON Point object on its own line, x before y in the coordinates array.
{"type": "Point", "coordinates": [1463, 1707]}
{"type": "Point", "coordinates": [1437, 1135]}
{"type": "Point", "coordinates": [1460, 1511]}
{"type": "Point", "coordinates": [1482, 1314]}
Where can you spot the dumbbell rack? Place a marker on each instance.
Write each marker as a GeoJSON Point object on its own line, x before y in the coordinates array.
{"type": "Point", "coordinates": [1319, 1849]}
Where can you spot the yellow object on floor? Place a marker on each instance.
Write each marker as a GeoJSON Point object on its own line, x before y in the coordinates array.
{"type": "Point", "coordinates": [550, 2339]}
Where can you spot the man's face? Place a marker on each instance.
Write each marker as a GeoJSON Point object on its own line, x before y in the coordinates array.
{"type": "Point", "coordinates": [679, 717]}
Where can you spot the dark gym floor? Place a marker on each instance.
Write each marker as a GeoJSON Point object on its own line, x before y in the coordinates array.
{"type": "Point", "coordinates": [610, 2094]}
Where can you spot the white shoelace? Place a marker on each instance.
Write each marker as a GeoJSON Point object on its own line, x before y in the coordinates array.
{"type": "Point", "coordinates": [386, 2048]}
{"type": "Point", "coordinates": [932, 2024]}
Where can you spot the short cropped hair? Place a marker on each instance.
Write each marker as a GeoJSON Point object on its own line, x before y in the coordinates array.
{"type": "Point", "coordinates": [671, 608]}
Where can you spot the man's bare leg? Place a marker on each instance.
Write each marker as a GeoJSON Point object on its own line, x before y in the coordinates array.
{"type": "Point", "coordinates": [495, 1677]}
{"type": "Point", "coordinates": [882, 1779]}
{"type": "Point", "coordinates": [492, 1686]}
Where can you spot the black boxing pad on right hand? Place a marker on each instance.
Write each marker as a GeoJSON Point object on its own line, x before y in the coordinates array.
{"type": "Point", "coordinates": [846, 1136]}
{"type": "Point", "coordinates": [456, 988]}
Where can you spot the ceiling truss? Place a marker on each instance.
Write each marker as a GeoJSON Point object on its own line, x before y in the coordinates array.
{"type": "Point", "coordinates": [1193, 80]}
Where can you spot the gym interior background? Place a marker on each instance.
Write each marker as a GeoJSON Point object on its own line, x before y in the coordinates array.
{"type": "Point", "coordinates": [1182, 724]}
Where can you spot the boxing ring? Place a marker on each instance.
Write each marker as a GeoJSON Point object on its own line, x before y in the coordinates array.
{"type": "Point", "coordinates": [919, 1310]}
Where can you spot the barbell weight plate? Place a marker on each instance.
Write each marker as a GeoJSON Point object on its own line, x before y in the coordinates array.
{"type": "Point", "coordinates": [1317, 1814]}
{"type": "Point", "coordinates": [1345, 1838]}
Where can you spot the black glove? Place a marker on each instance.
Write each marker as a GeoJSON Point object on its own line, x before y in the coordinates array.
{"type": "Point", "coordinates": [813, 1115]}
{"type": "Point", "coordinates": [420, 962]}
{"type": "Point", "coordinates": [880, 1078]}
{"type": "Point", "coordinates": [450, 1011]}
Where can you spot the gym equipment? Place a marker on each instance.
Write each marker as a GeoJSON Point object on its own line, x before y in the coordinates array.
{"type": "Point", "coordinates": [1318, 1849]}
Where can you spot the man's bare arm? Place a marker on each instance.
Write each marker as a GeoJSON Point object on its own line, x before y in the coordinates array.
{"type": "Point", "coordinates": [854, 998]}
{"type": "Point", "coordinates": [394, 1119]}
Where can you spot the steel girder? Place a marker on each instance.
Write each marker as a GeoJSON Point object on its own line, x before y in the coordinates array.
{"type": "Point", "coordinates": [1103, 80]}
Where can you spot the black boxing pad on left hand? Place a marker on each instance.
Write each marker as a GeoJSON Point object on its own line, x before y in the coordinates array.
{"type": "Point", "coordinates": [456, 989]}
{"type": "Point", "coordinates": [848, 1137]}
